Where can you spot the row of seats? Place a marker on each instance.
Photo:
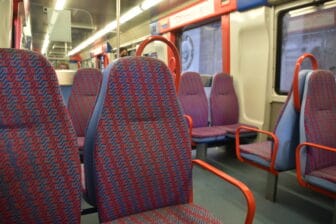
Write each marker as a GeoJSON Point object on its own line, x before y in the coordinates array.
{"type": "Point", "coordinates": [137, 153]}
{"type": "Point", "coordinates": [304, 136]}
{"type": "Point", "coordinates": [274, 155]}
{"type": "Point", "coordinates": [223, 106]}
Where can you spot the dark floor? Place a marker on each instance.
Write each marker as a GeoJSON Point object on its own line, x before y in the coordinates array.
{"type": "Point", "coordinates": [295, 204]}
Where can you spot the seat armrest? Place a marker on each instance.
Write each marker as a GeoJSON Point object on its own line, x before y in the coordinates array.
{"type": "Point", "coordinates": [251, 206]}
{"type": "Point", "coordinates": [300, 178]}
{"type": "Point", "coordinates": [269, 134]}
{"type": "Point", "coordinates": [189, 122]}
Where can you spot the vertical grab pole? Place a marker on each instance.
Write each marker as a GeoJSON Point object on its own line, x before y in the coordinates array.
{"type": "Point", "coordinates": [118, 26]}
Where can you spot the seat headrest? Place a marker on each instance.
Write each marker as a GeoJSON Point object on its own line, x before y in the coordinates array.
{"type": "Point", "coordinates": [191, 84]}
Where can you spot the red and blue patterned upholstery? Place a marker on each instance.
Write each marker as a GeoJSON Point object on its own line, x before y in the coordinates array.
{"type": "Point", "coordinates": [186, 213]}
{"type": "Point", "coordinates": [224, 107]}
{"type": "Point", "coordinates": [138, 156]}
{"type": "Point", "coordinates": [195, 104]}
{"type": "Point", "coordinates": [85, 89]}
{"type": "Point", "coordinates": [40, 174]}
{"type": "Point", "coordinates": [318, 126]}
{"type": "Point", "coordinates": [193, 99]}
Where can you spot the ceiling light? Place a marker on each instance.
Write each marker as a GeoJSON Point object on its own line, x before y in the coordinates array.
{"type": "Point", "coordinates": [130, 14]}
{"type": "Point", "coordinates": [149, 3]}
{"type": "Point", "coordinates": [58, 6]}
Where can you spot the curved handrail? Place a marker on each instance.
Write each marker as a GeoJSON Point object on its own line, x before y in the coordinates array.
{"type": "Point", "coordinates": [175, 52]}
{"type": "Point", "coordinates": [299, 176]}
{"type": "Point", "coordinates": [296, 97]}
{"type": "Point", "coordinates": [250, 201]}
{"type": "Point", "coordinates": [274, 153]}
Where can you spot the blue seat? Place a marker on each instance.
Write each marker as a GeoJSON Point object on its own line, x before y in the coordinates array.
{"type": "Point", "coordinates": [137, 154]}
{"type": "Point", "coordinates": [317, 126]}
{"type": "Point", "coordinates": [277, 153]}
{"type": "Point", "coordinates": [316, 155]}
{"type": "Point", "coordinates": [40, 173]}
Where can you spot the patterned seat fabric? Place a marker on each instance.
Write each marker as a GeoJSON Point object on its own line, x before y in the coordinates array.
{"type": "Point", "coordinates": [224, 108]}
{"type": "Point", "coordinates": [287, 131]}
{"type": "Point", "coordinates": [85, 89]}
{"type": "Point", "coordinates": [39, 178]}
{"type": "Point", "coordinates": [195, 104]}
{"type": "Point", "coordinates": [317, 123]}
{"type": "Point", "coordinates": [140, 143]}
{"type": "Point", "coordinates": [186, 213]}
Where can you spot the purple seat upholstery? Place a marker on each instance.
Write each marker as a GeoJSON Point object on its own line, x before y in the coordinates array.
{"type": "Point", "coordinates": [186, 213]}
{"type": "Point", "coordinates": [138, 156]}
{"type": "Point", "coordinates": [318, 126]}
{"type": "Point", "coordinates": [85, 89]}
{"type": "Point", "coordinates": [39, 177]}
{"type": "Point", "coordinates": [224, 107]}
{"type": "Point", "coordinates": [195, 104]}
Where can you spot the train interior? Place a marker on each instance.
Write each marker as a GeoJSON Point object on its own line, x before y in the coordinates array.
{"type": "Point", "coordinates": [251, 60]}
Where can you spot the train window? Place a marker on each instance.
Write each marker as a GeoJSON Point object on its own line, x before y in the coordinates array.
{"type": "Point", "coordinates": [311, 29]}
{"type": "Point", "coordinates": [201, 49]}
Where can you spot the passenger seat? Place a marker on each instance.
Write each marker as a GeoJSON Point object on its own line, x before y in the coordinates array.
{"type": "Point", "coordinates": [84, 92]}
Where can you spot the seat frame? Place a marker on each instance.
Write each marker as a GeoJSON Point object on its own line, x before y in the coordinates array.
{"type": "Point", "coordinates": [273, 173]}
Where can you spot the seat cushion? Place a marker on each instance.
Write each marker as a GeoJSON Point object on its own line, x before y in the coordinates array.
{"type": "Point", "coordinates": [328, 173]}
{"type": "Point", "coordinates": [260, 149]}
{"type": "Point", "coordinates": [232, 128]}
{"type": "Point", "coordinates": [185, 213]}
{"type": "Point", "coordinates": [204, 132]}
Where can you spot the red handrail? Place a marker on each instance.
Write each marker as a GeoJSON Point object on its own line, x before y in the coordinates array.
{"type": "Point", "coordinates": [251, 205]}
{"type": "Point", "coordinates": [296, 97]}
{"type": "Point", "coordinates": [300, 178]}
{"type": "Point", "coordinates": [176, 57]}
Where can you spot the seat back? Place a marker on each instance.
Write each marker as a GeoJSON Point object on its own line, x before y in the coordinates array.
{"type": "Point", "coordinates": [224, 108]}
{"type": "Point", "coordinates": [40, 176]}
{"type": "Point", "coordinates": [287, 128]}
{"type": "Point", "coordinates": [84, 92]}
{"type": "Point", "coordinates": [318, 119]}
{"type": "Point", "coordinates": [138, 143]}
{"type": "Point", "coordinates": [193, 99]}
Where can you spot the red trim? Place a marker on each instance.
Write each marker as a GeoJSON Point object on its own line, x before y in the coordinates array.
{"type": "Point", "coordinates": [170, 54]}
{"type": "Point", "coordinates": [106, 60]}
{"type": "Point", "coordinates": [177, 71]}
{"type": "Point", "coordinates": [251, 206]}
{"type": "Point", "coordinates": [219, 9]}
{"type": "Point", "coordinates": [296, 97]}
{"type": "Point", "coordinates": [18, 32]}
{"type": "Point", "coordinates": [190, 124]}
{"type": "Point", "coordinates": [226, 43]}
{"type": "Point", "coordinates": [275, 139]}
{"type": "Point", "coordinates": [300, 179]}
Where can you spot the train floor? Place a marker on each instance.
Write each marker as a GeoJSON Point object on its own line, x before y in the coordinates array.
{"type": "Point", "coordinates": [294, 204]}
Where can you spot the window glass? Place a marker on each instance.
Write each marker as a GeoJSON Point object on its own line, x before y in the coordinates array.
{"type": "Point", "coordinates": [308, 30]}
{"type": "Point", "coordinates": [201, 49]}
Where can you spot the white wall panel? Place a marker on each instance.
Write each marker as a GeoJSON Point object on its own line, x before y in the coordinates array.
{"type": "Point", "coordinates": [6, 12]}
{"type": "Point", "coordinates": [251, 60]}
